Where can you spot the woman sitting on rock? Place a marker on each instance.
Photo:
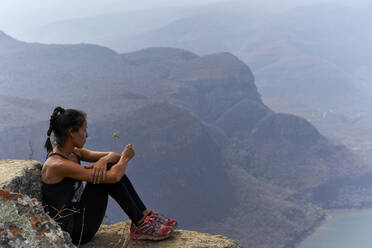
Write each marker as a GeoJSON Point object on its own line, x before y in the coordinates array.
{"type": "Point", "coordinates": [80, 210]}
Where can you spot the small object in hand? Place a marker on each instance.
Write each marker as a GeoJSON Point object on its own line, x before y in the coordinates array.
{"type": "Point", "coordinates": [114, 135]}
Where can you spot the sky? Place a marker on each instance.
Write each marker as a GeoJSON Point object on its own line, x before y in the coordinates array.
{"type": "Point", "coordinates": [53, 10]}
{"type": "Point", "coordinates": [78, 8]}
{"type": "Point", "coordinates": [73, 8]}
{"type": "Point", "coordinates": [19, 16]}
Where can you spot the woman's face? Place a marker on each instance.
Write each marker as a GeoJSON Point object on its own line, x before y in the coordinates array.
{"type": "Point", "coordinates": [79, 137]}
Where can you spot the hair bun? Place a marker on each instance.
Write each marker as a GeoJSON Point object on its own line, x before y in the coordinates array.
{"type": "Point", "coordinates": [58, 110]}
{"type": "Point", "coordinates": [53, 117]}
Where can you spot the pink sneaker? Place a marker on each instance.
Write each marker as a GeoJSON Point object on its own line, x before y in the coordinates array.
{"type": "Point", "coordinates": [150, 229]}
{"type": "Point", "coordinates": [163, 220]}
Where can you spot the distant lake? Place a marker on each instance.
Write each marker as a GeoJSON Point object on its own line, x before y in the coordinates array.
{"type": "Point", "coordinates": [344, 229]}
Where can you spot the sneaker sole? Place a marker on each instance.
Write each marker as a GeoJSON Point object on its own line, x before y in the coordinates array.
{"type": "Point", "coordinates": [175, 226]}
{"type": "Point", "coordinates": [147, 237]}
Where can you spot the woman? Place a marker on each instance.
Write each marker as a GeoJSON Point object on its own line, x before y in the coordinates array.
{"type": "Point", "coordinates": [78, 210]}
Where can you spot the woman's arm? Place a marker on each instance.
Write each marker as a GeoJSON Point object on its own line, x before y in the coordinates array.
{"type": "Point", "coordinates": [99, 169]}
{"type": "Point", "coordinates": [66, 168]}
{"type": "Point", "coordinates": [93, 156]}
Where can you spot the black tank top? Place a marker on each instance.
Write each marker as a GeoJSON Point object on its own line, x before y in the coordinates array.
{"type": "Point", "coordinates": [60, 199]}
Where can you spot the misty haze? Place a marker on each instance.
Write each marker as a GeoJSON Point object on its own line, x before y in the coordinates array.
{"type": "Point", "coordinates": [253, 118]}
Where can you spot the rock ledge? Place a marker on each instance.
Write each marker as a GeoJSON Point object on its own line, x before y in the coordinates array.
{"type": "Point", "coordinates": [117, 235]}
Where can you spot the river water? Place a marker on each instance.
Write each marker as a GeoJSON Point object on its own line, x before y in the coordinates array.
{"type": "Point", "coordinates": [343, 229]}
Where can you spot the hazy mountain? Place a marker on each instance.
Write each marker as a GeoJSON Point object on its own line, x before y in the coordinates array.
{"type": "Point", "coordinates": [274, 145]}
{"type": "Point", "coordinates": [262, 208]}
{"type": "Point", "coordinates": [208, 150]}
{"type": "Point", "coordinates": [288, 151]}
{"type": "Point", "coordinates": [179, 170]}
{"type": "Point", "coordinates": [16, 111]}
{"type": "Point", "coordinates": [207, 85]}
{"type": "Point", "coordinates": [311, 61]}
{"type": "Point", "coordinates": [312, 41]}
{"type": "Point", "coordinates": [176, 161]}
{"type": "Point", "coordinates": [110, 28]}
{"type": "Point", "coordinates": [106, 27]}
{"type": "Point", "coordinates": [295, 41]}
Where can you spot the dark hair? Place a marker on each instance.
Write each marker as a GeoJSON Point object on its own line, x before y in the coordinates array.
{"type": "Point", "coordinates": [60, 122]}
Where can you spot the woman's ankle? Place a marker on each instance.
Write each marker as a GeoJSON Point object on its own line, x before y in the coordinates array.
{"type": "Point", "coordinates": [146, 212]}
{"type": "Point", "coordinates": [141, 220]}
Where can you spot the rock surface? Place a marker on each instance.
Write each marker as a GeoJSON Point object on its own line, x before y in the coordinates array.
{"type": "Point", "coordinates": [23, 223]}
{"type": "Point", "coordinates": [117, 235]}
{"type": "Point", "coordinates": [22, 176]}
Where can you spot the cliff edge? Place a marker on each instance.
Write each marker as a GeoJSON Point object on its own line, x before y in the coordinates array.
{"type": "Point", "coordinates": [23, 223]}
{"type": "Point", "coordinates": [117, 235]}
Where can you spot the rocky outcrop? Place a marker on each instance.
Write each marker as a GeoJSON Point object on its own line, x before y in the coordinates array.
{"type": "Point", "coordinates": [22, 176]}
{"type": "Point", "coordinates": [118, 236]}
{"type": "Point", "coordinates": [23, 222]}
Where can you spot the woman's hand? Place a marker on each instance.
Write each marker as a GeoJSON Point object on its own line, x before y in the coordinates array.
{"type": "Point", "coordinates": [99, 170]}
{"type": "Point", "coordinates": [128, 152]}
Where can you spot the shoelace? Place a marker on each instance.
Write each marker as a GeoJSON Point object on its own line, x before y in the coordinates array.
{"type": "Point", "coordinates": [153, 224]}
{"type": "Point", "coordinates": [160, 218]}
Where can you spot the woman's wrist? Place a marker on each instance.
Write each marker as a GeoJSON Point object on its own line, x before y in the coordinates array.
{"type": "Point", "coordinates": [124, 159]}
{"type": "Point", "coordinates": [119, 168]}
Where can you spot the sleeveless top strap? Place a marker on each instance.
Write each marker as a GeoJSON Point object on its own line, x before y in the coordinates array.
{"type": "Point", "coordinates": [63, 156]}
{"type": "Point", "coordinates": [77, 156]}
{"type": "Point", "coordinates": [58, 154]}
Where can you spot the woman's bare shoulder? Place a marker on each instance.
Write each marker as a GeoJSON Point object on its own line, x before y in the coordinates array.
{"type": "Point", "coordinates": [49, 170]}
{"type": "Point", "coordinates": [51, 162]}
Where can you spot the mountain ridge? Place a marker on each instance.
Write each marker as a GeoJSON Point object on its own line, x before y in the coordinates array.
{"type": "Point", "coordinates": [187, 129]}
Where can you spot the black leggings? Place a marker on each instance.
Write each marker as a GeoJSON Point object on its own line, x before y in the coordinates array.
{"type": "Point", "coordinates": [93, 203]}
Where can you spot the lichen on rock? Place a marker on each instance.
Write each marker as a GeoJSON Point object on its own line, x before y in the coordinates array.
{"type": "Point", "coordinates": [11, 219]}
{"type": "Point", "coordinates": [22, 176]}
{"type": "Point", "coordinates": [23, 223]}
